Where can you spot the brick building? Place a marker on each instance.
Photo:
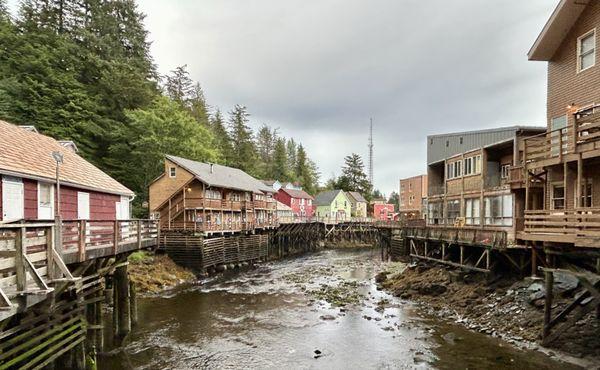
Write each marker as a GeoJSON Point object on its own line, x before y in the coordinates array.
{"type": "Point", "coordinates": [412, 196]}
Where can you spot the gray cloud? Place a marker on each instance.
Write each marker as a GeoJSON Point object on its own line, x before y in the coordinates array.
{"type": "Point", "coordinates": [320, 69]}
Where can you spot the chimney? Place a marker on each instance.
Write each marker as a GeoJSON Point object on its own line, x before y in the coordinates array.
{"type": "Point", "coordinates": [211, 168]}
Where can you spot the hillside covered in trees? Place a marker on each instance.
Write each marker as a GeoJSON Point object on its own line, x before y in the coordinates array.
{"type": "Point", "coordinates": [82, 70]}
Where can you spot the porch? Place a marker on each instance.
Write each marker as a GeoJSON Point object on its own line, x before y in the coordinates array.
{"type": "Point", "coordinates": [580, 227]}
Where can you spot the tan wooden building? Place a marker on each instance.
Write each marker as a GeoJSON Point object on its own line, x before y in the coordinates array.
{"type": "Point", "coordinates": [210, 198]}
{"type": "Point", "coordinates": [475, 179]}
{"type": "Point", "coordinates": [565, 159]}
{"type": "Point", "coordinates": [412, 197]}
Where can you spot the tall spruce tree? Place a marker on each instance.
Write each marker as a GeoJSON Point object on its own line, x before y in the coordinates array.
{"type": "Point", "coordinates": [353, 176]}
{"type": "Point", "coordinates": [265, 145]}
{"type": "Point", "coordinates": [244, 150]}
{"type": "Point", "coordinates": [221, 138]}
{"type": "Point", "coordinates": [305, 171]}
{"type": "Point", "coordinates": [280, 169]}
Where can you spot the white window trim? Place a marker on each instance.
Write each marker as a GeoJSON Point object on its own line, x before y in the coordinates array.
{"type": "Point", "coordinates": [588, 33]}
{"type": "Point", "coordinates": [172, 172]}
{"type": "Point", "coordinates": [39, 205]}
{"type": "Point", "coordinates": [80, 216]}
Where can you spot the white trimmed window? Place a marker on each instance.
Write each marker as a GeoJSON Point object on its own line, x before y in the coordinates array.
{"type": "Point", "coordinates": [172, 172]}
{"type": "Point", "coordinates": [472, 165]}
{"type": "Point", "coordinates": [453, 170]}
{"type": "Point", "coordinates": [498, 210]}
{"type": "Point", "coordinates": [504, 170]}
{"type": "Point", "coordinates": [472, 211]}
{"type": "Point", "coordinates": [586, 51]}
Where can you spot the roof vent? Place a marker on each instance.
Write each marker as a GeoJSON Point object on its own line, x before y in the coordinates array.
{"type": "Point", "coordinates": [69, 145]}
{"type": "Point", "coordinates": [29, 128]}
{"type": "Point", "coordinates": [211, 168]}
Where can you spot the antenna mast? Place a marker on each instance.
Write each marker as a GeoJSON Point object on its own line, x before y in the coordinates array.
{"type": "Point", "coordinates": [371, 153]}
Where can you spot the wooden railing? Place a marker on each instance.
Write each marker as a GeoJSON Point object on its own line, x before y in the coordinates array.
{"type": "Point", "coordinates": [471, 235]}
{"type": "Point", "coordinates": [563, 225]}
{"type": "Point", "coordinates": [547, 145]}
{"type": "Point", "coordinates": [515, 175]}
{"type": "Point", "coordinates": [32, 255]}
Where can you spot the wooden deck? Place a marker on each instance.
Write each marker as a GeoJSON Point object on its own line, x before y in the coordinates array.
{"type": "Point", "coordinates": [33, 256]}
{"type": "Point", "coordinates": [580, 227]}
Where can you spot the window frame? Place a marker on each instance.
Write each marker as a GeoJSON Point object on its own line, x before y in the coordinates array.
{"type": "Point", "coordinates": [172, 172]}
{"type": "Point", "coordinates": [502, 220]}
{"type": "Point", "coordinates": [580, 56]}
{"type": "Point", "coordinates": [505, 171]}
{"type": "Point", "coordinates": [553, 199]}
{"type": "Point", "coordinates": [473, 211]}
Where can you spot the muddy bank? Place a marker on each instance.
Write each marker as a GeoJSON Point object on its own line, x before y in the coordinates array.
{"type": "Point", "coordinates": [153, 273]}
{"type": "Point", "coordinates": [501, 307]}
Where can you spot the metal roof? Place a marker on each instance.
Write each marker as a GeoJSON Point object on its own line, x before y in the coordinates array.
{"type": "Point", "coordinates": [221, 176]}
{"type": "Point", "coordinates": [326, 197]}
{"type": "Point", "coordinates": [443, 146]}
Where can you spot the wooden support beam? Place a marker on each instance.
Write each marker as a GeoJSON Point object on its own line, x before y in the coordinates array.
{"type": "Point", "coordinates": [549, 285]}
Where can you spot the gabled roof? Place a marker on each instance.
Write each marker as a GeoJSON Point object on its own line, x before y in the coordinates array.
{"type": "Point", "coordinates": [300, 194]}
{"type": "Point", "coordinates": [357, 197]}
{"type": "Point", "coordinates": [326, 197]}
{"type": "Point", "coordinates": [283, 207]}
{"type": "Point", "coordinates": [269, 182]}
{"type": "Point", "coordinates": [26, 153]}
{"type": "Point", "coordinates": [556, 29]}
{"type": "Point", "coordinates": [221, 176]}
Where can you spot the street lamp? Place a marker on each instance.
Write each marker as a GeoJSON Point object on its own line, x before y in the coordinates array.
{"type": "Point", "coordinates": [58, 157]}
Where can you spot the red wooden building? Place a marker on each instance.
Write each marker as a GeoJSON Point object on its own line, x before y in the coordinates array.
{"type": "Point", "coordinates": [28, 181]}
{"type": "Point", "coordinates": [383, 211]}
{"type": "Point", "coordinates": [299, 201]}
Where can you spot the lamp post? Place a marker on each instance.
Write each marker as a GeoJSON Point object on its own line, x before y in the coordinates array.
{"type": "Point", "coordinates": [58, 157]}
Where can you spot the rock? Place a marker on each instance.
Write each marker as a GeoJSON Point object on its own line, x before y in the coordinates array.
{"type": "Point", "coordinates": [565, 282]}
{"type": "Point", "coordinates": [367, 317]}
{"type": "Point", "coordinates": [317, 353]}
{"type": "Point", "coordinates": [327, 317]}
{"type": "Point", "coordinates": [537, 295]}
{"type": "Point", "coordinates": [381, 277]}
{"type": "Point", "coordinates": [449, 338]}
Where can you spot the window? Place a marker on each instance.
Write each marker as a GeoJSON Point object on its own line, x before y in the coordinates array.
{"type": "Point", "coordinates": [472, 211]}
{"type": "Point", "coordinates": [586, 51]}
{"type": "Point", "coordinates": [586, 193]}
{"type": "Point", "coordinates": [213, 194]}
{"type": "Point", "coordinates": [504, 170]}
{"type": "Point", "coordinates": [410, 200]}
{"type": "Point", "coordinates": [236, 197]}
{"type": "Point", "coordinates": [453, 211]}
{"type": "Point", "coordinates": [472, 165]}
{"type": "Point", "coordinates": [461, 140]}
{"type": "Point", "coordinates": [447, 143]}
{"type": "Point", "coordinates": [498, 210]}
{"type": "Point", "coordinates": [434, 213]}
{"type": "Point", "coordinates": [410, 186]}
{"type": "Point", "coordinates": [558, 197]}
{"type": "Point", "coordinates": [402, 188]}
{"type": "Point", "coordinates": [453, 170]}
{"type": "Point", "coordinates": [172, 171]}
{"type": "Point", "coordinates": [45, 199]}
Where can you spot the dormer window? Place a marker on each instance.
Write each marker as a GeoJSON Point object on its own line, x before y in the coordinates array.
{"type": "Point", "coordinates": [172, 171]}
{"type": "Point", "coordinates": [586, 51]}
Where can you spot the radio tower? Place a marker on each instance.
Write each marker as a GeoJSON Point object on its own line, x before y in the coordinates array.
{"type": "Point", "coordinates": [371, 153]}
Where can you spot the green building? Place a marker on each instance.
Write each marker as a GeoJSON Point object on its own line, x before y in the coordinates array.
{"type": "Point", "coordinates": [333, 205]}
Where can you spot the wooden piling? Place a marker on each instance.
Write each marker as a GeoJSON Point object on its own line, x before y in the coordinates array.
{"type": "Point", "coordinates": [548, 304]}
{"type": "Point", "coordinates": [121, 286]}
{"type": "Point", "coordinates": [133, 303]}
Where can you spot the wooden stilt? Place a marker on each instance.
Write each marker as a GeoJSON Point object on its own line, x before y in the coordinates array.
{"type": "Point", "coordinates": [133, 303]}
{"type": "Point", "coordinates": [122, 287]}
{"type": "Point", "coordinates": [548, 304]}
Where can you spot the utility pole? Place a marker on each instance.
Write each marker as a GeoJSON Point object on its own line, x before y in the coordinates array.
{"type": "Point", "coordinates": [371, 153]}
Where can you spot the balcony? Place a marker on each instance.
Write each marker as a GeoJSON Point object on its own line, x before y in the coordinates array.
{"type": "Point", "coordinates": [580, 227]}
{"type": "Point", "coordinates": [554, 147]}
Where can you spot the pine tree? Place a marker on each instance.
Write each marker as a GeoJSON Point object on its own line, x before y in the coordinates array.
{"type": "Point", "coordinates": [197, 105]}
{"type": "Point", "coordinates": [291, 148]}
{"type": "Point", "coordinates": [222, 139]}
{"type": "Point", "coordinates": [353, 176]}
{"type": "Point", "coordinates": [265, 145]}
{"type": "Point", "coordinates": [178, 85]}
{"type": "Point", "coordinates": [280, 169]}
{"type": "Point", "coordinates": [244, 150]}
{"type": "Point", "coordinates": [306, 172]}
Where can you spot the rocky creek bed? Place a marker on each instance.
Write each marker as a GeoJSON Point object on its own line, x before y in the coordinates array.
{"type": "Point", "coordinates": [155, 273]}
{"type": "Point", "coordinates": [501, 307]}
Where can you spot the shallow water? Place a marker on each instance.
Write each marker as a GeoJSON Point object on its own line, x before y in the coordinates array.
{"type": "Point", "coordinates": [264, 318]}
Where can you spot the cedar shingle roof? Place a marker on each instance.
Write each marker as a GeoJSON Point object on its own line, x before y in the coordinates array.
{"type": "Point", "coordinates": [300, 194]}
{"type": "Point", "coordinates": [221, 176]}
{"type": "Point", "coordinates": [29, 154]}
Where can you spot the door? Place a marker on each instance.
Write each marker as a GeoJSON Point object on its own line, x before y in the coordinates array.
{"type": "Point", "coordinates": [45, 201]}
{"type": "Point", "coordinates": [83, 205]}
{"type": "Point", "coordinates": [13, 199]}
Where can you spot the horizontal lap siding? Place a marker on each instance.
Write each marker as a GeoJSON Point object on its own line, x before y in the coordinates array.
{"type": "Point", "coordinates": [68, 203]}
{"type": "Point", "coordinates": [31, 199]}
{"type": "Point", "coordinates": [103, 206]}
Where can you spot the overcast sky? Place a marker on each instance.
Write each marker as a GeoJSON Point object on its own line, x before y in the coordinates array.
{"type": "Point", "coordinates": [319, 69]}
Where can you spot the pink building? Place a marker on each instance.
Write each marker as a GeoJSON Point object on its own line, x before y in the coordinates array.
{"type": "Point", "coordinates": [383, 211]}
{"type": "Point", "coordinates": [299, 201]}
